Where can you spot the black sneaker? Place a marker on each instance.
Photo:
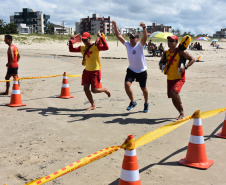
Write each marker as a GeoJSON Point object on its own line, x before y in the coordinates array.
{"type": "Point", "coordinates": [146, 107]}
{"type": "Point", "coordinates": [131, 106]}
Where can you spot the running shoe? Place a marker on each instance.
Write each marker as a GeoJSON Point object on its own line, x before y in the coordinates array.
{"type": "Point", "coordinates": [146, 107]}
{"type": "Point", "coordinates": [131, 105]}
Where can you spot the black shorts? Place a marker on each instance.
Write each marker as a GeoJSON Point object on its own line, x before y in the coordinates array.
{"type": "Point", "coordinates": [139, 77]}
{"type": "Point", "coordinates": [12, 71]}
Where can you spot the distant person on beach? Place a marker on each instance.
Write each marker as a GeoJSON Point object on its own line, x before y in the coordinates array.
{"type": "Point", "coordinates": [175, 78]}
{"type": "Point", "coordinates": [152, 47]}
{"type": "Point", "coordinates": [13, 59]}
{"type": "Point", "coordinates": [92, 73]}
{"type": "Point", "coordinates": [161, 49]}
{"type": "Point", "coordinates": [137, 69]}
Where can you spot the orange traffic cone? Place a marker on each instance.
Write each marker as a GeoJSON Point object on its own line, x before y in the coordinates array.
{"type": "Point", "coordinates": [16, 97]}
{"type": "Point", "coordinates": [65, 91]}
{"type": "Point", "coordinates": [196, 152]}
{"type": "Point", "coordinates": [223, 131]}
{"type": "Point", "coordinates": [130, 171]}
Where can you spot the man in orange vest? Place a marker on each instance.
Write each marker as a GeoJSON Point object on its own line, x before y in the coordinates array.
{"type": "Point", "coordinates": [92, 73]}
{"type": "Point", "coordinates": [12, 65]}
{"type": "Point", "coordinates": [175, 77]}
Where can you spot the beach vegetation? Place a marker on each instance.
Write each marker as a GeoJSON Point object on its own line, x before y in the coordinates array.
{"type": "Point", "coordinates": [10, 28]}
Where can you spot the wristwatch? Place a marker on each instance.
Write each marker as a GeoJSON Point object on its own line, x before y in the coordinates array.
{"type": "Point", "coordinates": [144, 27]}
{"type": "Point", "coordinates": [186, 67]}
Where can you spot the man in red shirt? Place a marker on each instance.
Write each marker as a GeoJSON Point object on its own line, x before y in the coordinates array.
{"type": "Point", "coordinates": [92, 73]}
{"type": "Point", "coordinates": [13, 58]}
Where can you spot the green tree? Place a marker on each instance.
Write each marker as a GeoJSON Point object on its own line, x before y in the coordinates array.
{"type": "Point", "coordinates": [178, 32]}
{"type": "Point", "coordinates": [10, 28]}
{"type": "Point", "coordinates": [185, 33]}
{"type": "Point", "coordinates": [173, 31]}
{"type": "Point", "coordinates": [50, 29]}
{"type": "Point", "coordinates": [2, 25]}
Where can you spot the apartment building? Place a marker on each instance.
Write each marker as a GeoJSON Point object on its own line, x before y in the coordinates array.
{"type": "Point", "coordinates": [220, 34]}
{"type": "Point", "coordinates": [94, 24]}
{"type": "Point", "coordinates": [30, 22]}
{"type": "Point", "coordinates": [161, 27]}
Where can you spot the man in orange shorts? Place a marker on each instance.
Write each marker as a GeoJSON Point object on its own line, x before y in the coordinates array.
{"type": "Point", "coordinates": [92, 73]}
{"type": "Point", "coordinates": [175, 77]}
{"type": "Point", "coordinates": [13, 59]}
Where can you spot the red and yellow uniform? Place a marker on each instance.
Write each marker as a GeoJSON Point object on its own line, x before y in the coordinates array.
{"type": "Point", "coordinates": [14, 63]}
{"type": "Point", "coordinates": [175, 81]}
{"type": "Point", "coordinates": [92, 58]}
{"type": "Point", "coordinates": [92, 72]}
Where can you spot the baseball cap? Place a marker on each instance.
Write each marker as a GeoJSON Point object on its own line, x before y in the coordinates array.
{"type": "Point", "coordinates": [85, 35]}
{"type": "Point", "coordinates": [134, 35]}
{"type": "Point", "coordinates": [174, 37]}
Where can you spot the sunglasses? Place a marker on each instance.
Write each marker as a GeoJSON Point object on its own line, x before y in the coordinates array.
{"type": "Point", "coordinates": [132, 37]}
{"type": "Point", "coordinates": [171, 40]}
{"type": "Point", "coordinates": [84, 40]}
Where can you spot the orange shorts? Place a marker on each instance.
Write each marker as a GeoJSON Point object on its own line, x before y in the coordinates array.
{"type": "Point", "coordinates": [175, 85]}
{"type": "Point", "coordinates": [92, 77]}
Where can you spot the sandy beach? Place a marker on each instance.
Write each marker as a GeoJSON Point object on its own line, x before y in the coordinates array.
{"type": "Point", "coordinates": [50, 133]}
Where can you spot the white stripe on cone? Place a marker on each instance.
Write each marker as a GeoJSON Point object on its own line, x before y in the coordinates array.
{"type": "Point", "coordinates": [130, 176]}
{"type": "Point", "coordinates": [130, 153]}
{"type": "Point", "coordinates": [15, 82]}
{"type": "Point", "coordinates": [197, 122]}
{"type": "Point", "coordinates": [65, 85]}
{"type": "Point", "coordinates": [196, 139]}
{"type": "Point", "coordinates": [15, 91]}
{"type": "Point", "coordinates": [64, 77]}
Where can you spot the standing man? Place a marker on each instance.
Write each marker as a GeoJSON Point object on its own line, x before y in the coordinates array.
{"type": "Point", "coordinates": [13, 59]}
{"type": "Point", "coordinates": [175, 77]}
{"type": "Point", "coordinates": [92, 73]}
{"type": "Point", "coordinates": [137, 69]}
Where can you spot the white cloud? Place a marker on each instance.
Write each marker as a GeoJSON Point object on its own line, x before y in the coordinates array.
{"type": "Point", "coordinates": [196, 16]}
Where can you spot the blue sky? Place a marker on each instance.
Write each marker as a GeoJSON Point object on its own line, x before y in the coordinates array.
{"type": "Point", "coordinates": [196, 16]}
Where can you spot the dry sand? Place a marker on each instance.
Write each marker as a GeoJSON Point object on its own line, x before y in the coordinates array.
{"type": "Point", "coordinates": [51, 133]}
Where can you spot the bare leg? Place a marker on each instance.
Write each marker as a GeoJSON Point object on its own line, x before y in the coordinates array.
{"type": "Point", "coordinates": [129, 91]}
{"type": "Point", "coordinates": [7, 77]}
{"type": "Point", "coordinates": [89, 97]}
{"type": "Point", "coordinates": [100, 90]}
{"type": "Point", "coordinates": [178, 104]}
{"type": "Point", "coordinates": [145, 93]}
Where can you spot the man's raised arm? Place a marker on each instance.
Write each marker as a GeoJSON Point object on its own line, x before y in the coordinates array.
{"type": "Point", "coordinates": [145, 34]}
{"type": "Point", "coordinates": [117, 34]}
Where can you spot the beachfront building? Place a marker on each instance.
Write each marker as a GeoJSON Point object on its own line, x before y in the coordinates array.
{"type": "Point", "coordinates": [23, 29]}
{"type": "Point", "coordinates": [161, 27]}
{"type": "Point", "coordinates": [29, 21]}
{"type": "Point", "coordinates": [94, 24]}
{"type": "Point", "coordinates": [63, 30]}
{"type": "Point", "coordinates": [220, 34]}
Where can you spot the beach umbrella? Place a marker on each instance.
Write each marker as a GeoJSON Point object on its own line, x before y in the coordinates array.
{"type": "Point", "coordinates": [155, 33]}
{"type": "Point", "coordinates": [163, 35]}
{"type": "Point", "coordinates": [214, 40]}
{"type": "Point", "coordinates": [201, 38]}
{"type": "Point", "coordinates": [207, 38]}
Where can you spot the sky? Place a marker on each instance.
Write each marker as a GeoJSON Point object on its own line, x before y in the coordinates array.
{"type": "Point", "coordinates": [196, 16]}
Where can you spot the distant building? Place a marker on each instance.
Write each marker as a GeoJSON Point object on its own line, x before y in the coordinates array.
{"type": "Point", "coordinates": [161, 27]}
{"type": "Point", "coordinates": [60, 29]}
{"type": "Point", "coordinates": [220, 34]}
{"type": "Point", "coordinates": [29, 21]}
{"type": "Point", "coordinates": [94, 24]}
{"type": "Point", "coordinates": [23, 29]}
